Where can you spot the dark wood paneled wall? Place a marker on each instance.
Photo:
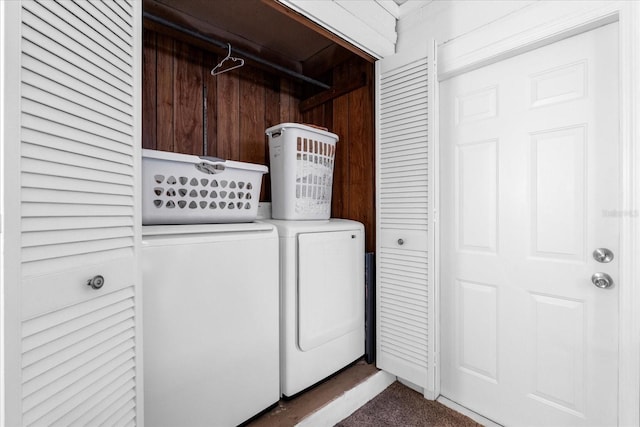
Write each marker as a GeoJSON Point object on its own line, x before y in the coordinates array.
{"type": "Point", "coordinates": [187, 110]}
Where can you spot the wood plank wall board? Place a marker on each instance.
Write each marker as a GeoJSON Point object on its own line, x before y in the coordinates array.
{"type": "Point", "coordinates": [228, 99]}
{"type": "Point", "coordinates": [289, 112]}
{"type": "Point", "coordinates": [252, 121]}
{"type": "Point", "coordinates": [286, 101]}
{"type": "Point", "coordinates": [272, 115]}
{"type": "Point", "coordinates": [316, 116]}
{"type": "Point", "coordinates": [149, 91]}
{"type": "Point", "coordinates": [211, 105]}
{"type": "Point", "coordinates": [252, 116]}
{"type": "Point", "coordinates": [188, 105]}
{"type": "Point", "coordinates": [340, 194]}
{"type": "Point", "coordinates": [165, 96]}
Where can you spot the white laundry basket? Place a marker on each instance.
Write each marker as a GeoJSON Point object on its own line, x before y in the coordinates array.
{"type": "Point", "coordinates": [186, 189]}
{"type": "Point", "coordinates": [302, 160]}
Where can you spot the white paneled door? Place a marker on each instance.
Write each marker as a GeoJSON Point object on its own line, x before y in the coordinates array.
{"type": "Point", "coordinates": [530, 189]}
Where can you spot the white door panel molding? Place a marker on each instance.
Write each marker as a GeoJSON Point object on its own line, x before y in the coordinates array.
{"type": "Point", "coordinates": [538, 24]}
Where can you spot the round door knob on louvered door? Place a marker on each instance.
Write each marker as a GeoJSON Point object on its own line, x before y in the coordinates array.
{"type": "Point", "coordinates": [96, 282]}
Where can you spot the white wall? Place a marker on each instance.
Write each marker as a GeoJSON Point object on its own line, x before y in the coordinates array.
{"type": "Point", "coordinates": [369, 25]}
{"type": "Point", "coordinates": [447, 20]}
{"type": "Point", "coordinates": [474, 33]}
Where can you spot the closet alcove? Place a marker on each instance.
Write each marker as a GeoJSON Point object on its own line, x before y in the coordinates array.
{"type": "Point", "coordinates": [294, 71]}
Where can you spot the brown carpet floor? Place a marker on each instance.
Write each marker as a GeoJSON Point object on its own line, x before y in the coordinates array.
{"type": "Point", "coordinates": [399, 406]}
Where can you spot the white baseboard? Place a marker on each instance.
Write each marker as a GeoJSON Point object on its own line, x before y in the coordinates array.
{"type": "Point", "coordinates": [467, 412]}
{"type": "Point", "coordinates": [345, 405]}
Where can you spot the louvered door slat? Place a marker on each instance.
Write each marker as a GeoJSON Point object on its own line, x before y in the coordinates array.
{"type": "Point", "coordinates": [47, 355]}
{"type": "Point", "coordinates": [42, 91]}
{"type": "Point", "coordinates": [79, 141]}
{"type": "Point", "coordinates": [391, 310]}
{"type": "Point", "coordinates": [64, 28]}
{"type": "Point", "coordinates": [61, 403]}
{"type": "Point", "coordinates": [101, 111]}
{"type": "Point", "coordinates": [118, 173]}
{"type": "Point", "coordinates": [102, 405]}
{"type": "Point", "coordinates": [404, 137]}
{"type": "Point", "coordinates": [73, 210]}
{"type": "Point", "coordinates": [49, 224]}
{"type": "Point", "coordinates": [119, 416]}
{"type": "Point", "coordinates": [48, 195]}
{"type": "Point", "coordinates": [95, 30]}
{"type": "Point", "coordinates": [403, 168]}
{"type": "Point", "coordinates": [82, 317]}
{"type": "Point", "coordinates": [75, 376]}
{"type": "Point", "coordinates": [82, 37]}
{"type": "Point", "coordinates": [32, 180]}
{"type": "Point", "coordinates": [99, 402]}
{"type": "Point", "coordinates": [105, 11]}
{"type": "Point", "coordinates": [406, 122]}
{"type": "Point", "coordinates": [64, 236]}
{"type": "Point", "coordinates": [410, 281]}
{"type": "Point", "coordinates": [38, 59]}
{"type": "Point", "coordinates": [79, 170]}
{"type": "Point", "coordinates": [69, 352]}
{"type": "Point", "coordinates": [47, 114]}
{"type": "Point", "coordinates": [64, 369]}
{"type": "Point", "coordinates": [57, 47]}
{"type": "Point", "coordinates": [397, 160]}
{"type": "Point", "coordinates": [79, 67]}
{"type": "Point", "coordinates": [123, 13]}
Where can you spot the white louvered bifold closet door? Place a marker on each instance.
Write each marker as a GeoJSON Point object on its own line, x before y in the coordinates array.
{"type": "Point", "coordinates": [78, 166]}
{"type": "Point", "coordinates": [404, 171]}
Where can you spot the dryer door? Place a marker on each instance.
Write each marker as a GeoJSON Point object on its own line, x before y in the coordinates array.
{"type": "Point", "coordinates": [330, 286]}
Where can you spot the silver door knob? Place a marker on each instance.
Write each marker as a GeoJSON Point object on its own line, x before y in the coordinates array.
{"type": "Point", "coordinates": [96, 282]}
{"type": "Point", "coordinates": [602, 280]}
{"type": "Point", "coordinates": [603, 255]}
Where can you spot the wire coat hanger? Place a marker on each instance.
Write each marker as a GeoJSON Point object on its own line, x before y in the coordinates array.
{"type": "Point", "coordinates": [235, 63]}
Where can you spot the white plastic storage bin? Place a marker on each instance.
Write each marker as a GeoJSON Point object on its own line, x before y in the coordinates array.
{"type": "Point", "coordinates": [302, 159]}
{"type": "Point", "coordinates": [186, 189]}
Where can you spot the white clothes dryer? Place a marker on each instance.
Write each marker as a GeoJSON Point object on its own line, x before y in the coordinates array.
{"type": "Point", "coordinates": [321, 299]}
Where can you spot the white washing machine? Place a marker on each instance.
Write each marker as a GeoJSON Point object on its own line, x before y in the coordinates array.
{"type": "Point", "coordinates": [211, 350]}
{"type": "Point", "coordinates": [321, 299]}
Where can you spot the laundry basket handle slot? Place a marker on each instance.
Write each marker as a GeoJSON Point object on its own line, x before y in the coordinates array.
{"type": "Point", "coordinates": [210, 168]}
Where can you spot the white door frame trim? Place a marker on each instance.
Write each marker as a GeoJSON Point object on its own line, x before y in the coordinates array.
{"type": "Point", "coordinates": [528, 29]}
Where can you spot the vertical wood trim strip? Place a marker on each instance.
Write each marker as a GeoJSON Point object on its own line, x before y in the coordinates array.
{"type": "Point", "coordinates": [252, 119]}
{"type": "Point", "coordinates": [228, 115]}
{"type": "Point", "coordinates": [361, 148]}
{"type": "Point", "coordinates": [252, 113]}
{"type": "Point", "coordinates": [150, 91]}
{"type": "Point", "coordinates": [340, 193]}
{"type": "Point", "coordinates": [164, 97]}
{"type": "Point", "coordinates": [272, 115]}
{"type": "Point", "coordinates": [211, 90]}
